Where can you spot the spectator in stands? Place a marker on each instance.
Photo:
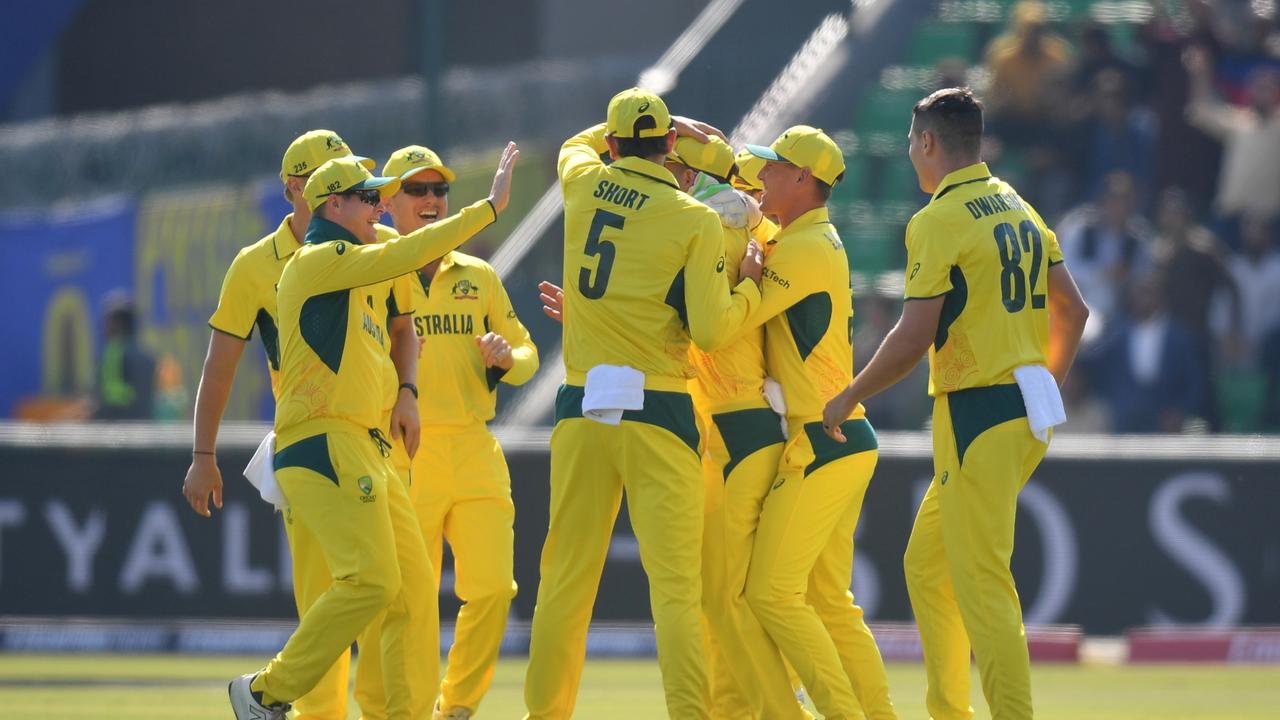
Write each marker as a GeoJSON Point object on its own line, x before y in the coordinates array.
{"type": "Point", "coordinates": [1146, 368]}
{"type": "Point", "coordinates": [126, 373]}
{"type": "Point", "coordinates": [1115, 135]}
{"type": "Point", "coordinates": [1185, 156]}
{"type": "Point", "coordinates": [1097, 55]}
{"type": "Point", "coordinates": [1256, 272]}
{"type": "Point", "coordinates": [1194, 272]}
{"type": "Point", "coordinates": [1250, 178]}
{"type": "Point", "coordinates": [1030, 69]}
{"type": "Point", "coordinates": [1026, 64]}
{"type": "Point", "coordinates": [1105, 242]}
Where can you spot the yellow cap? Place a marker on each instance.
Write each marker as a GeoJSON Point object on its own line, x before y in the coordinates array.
{"type": "Point", "coordinates": [806, 147]}
{"type": "Point", "coordinates": [714, 157]}
{"type": "Point", "coordinates": [409, 161]}
{"type": "Point", "coordinates": [341, 175]}
{"type": "Point", "coordinates": [749, 167]}
{"type": "Point", "coordinates": [628, 106]}
{"type": "Point", "coordinates": [312, 149]}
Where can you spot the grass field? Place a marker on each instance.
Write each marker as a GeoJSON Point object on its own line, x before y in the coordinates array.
{"type": "Point", "coordinates": [117, 687]}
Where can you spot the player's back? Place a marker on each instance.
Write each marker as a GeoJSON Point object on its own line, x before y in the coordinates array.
{"type": "Point", "coordinates": [989, 251]}
{"type": "Point", "coordinates": [629, 235]}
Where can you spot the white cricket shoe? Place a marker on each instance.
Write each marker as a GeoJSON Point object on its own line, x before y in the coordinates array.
{"type": "Point", "coordinates": [247, 704]}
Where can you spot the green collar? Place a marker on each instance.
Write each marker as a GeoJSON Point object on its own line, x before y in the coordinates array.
{"type": "Point", "coordinates": [320, 230]}
{"type": "Point", "coordinates": [971, 173]}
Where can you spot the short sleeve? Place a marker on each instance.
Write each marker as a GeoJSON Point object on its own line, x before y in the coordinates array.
{"type": "Point", "coordinates": [238, 302]}
{"type": "Point", "coordinates": [1052, 249]}
{"type": "Point", "coordinates": [929, 261]}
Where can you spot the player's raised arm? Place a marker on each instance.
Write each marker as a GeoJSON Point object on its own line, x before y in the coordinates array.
{"type": "Point", "coordinates": [715, 314]}
{"type": "Point", "coordinates": [581, 153]}
{"type": "Point", "coordinates": [335, 193]}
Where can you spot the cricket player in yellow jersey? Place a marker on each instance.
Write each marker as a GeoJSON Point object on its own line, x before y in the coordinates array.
{"type": "Point", "coordinates": [248, 300]}
{"type": "Point", "coordinates": [332, 452]}
{"type": "Point", "coordinates": [984, 280]}
{"type": "Point", "coordinates": [742, 444]}
{"type": "Point", "coordinates": [802, 560]}
{"type": "Point", "coordinates": [472, 341]}
{"type": "Point", "coordinates": [644, 273]}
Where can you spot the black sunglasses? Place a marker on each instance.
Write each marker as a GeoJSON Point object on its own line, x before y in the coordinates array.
{"type": "Point", "coordinates": [369, 197]}
{"type": "Point", "coordinates": [439, 189]}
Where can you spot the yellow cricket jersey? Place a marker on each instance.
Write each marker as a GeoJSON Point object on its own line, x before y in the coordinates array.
{"type": "Point", "coordinates": [807, 307]}
{"type": "Point", "coordinates": [643, 268]}
{"type": "Point", "coordinates": [335, 367]}
{"type": "Point", "coordinates": [462, 301]}
{"type": "Point", "coordinates": [732, 377]}
{"type": "Point", "coordinates": [989, 252]}
{"type": "Point", "coordinates": [248, 296]}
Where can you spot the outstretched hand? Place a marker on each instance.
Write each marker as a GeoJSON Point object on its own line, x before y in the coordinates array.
{"type": "Point", "coordinates": [500, 192]}
{"type": "Point", "coordinates": [552, 298]}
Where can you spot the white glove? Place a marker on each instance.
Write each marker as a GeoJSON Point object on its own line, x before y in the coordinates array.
{"type": "Point", "coordinates": [734, 208]}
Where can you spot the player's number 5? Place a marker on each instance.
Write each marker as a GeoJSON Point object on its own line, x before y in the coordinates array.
{"type": "Point", "coordinates": [603, 250]}
{"type": "Point", "coordinates": [1013, 282]}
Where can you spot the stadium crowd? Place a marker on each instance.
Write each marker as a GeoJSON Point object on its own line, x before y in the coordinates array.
{"type": "Point", "coordinates": [1157, 161]}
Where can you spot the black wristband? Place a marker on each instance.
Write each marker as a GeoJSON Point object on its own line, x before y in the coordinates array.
{"type": "Point", "coordinates": [411, 388]}
{"type": "Point", "coordinates": [203, 452]}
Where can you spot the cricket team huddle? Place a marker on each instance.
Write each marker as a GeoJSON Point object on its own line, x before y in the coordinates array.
{"type": "Point", "coordinates": [708, 373]}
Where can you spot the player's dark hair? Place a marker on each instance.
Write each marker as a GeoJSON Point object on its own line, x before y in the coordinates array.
{"type": "Point", "coordinates": [642, 146]}
{"type": "Point", "coordinates": [824, 188]}
{"type": "Point", "coordinates": [319, 211]}
{"type": "Point", "coordinates": [954, 116]}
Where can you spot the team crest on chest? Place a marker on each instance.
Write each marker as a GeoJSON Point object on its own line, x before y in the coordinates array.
{"type": "Point", "coordinates": [466, 290]}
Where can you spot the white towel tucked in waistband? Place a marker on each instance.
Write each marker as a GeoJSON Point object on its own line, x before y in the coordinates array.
{"type": "Point", "coordinates": [777, 401]}
{"type": "Point", "coordinates": [610, 390]}
{"type": "Point", "coordinates": [1043, 400]}
{"type": "Point", "coordinates": [262, 475]}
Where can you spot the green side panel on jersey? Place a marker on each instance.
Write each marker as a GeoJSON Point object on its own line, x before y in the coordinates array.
{"type": "Point", "coordinates": [977, 410]}
{"type": "Point", "coordinates": [270, 338]}
{"type": "Point", "coordinates": [809, 320]}
{"type": "Point", "coordinates": [675, 298]}
{"type": "Point", "coordinates": [957, 298]}
{"type": "Point", "coordinates": [323, 322]}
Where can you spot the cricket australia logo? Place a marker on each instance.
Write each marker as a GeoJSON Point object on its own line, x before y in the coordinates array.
{"type": "Point", "coordinates": [466, 290]}
{"type": "Point", "coordinates": [414, 156]}
{"type": "Point", "coordinates": [365, 483]}
{"type": "Point", "coordinates": [334, 143]}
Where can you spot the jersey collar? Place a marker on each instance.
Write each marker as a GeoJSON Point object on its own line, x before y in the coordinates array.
{"type": "Point", "coordinates": [283, 242]}
{"type": "Point", "coordinates": [816, 217]}
{"type": "Point", "coordinates": [323, 231]}
{"type": "Point", "coordinates": [640, 166]}
{"type": "Point", "coordinates": [446, 263]}
{"type": "Point", "coordinates": [965, 175]}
